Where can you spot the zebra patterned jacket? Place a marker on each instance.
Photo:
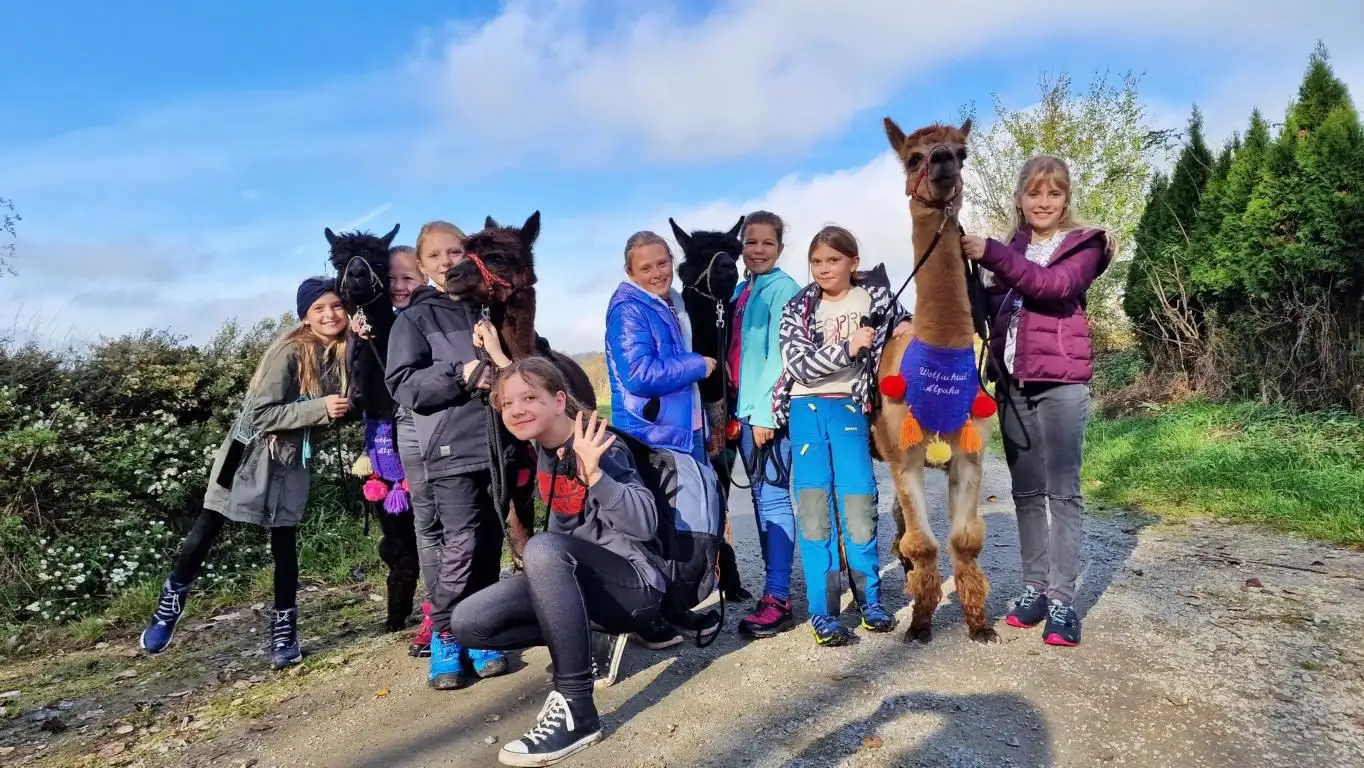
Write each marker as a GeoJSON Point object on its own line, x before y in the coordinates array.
{"type": "Point", "coordinates": [809, 359]}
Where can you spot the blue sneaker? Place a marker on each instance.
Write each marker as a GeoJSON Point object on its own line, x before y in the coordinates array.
{"type": "Point", "coordinates": [169, 608]}
{"type": "Point", "coordinates": [487, 663]}
{"type": "Point", "coordinates": [447, 664]}
{"type": "Point", "coordinates": [875, 618]}
{"type": "Point", "coordinates": [829, 631]}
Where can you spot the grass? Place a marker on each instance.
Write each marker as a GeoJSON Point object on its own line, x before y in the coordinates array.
{"type": "Point", "coordinates": [1298, 473]}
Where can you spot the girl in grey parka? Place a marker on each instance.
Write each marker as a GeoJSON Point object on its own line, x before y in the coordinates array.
{"type": "Point", "coordinates": [260, 474]}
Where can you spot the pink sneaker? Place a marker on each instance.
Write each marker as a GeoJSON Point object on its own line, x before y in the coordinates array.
{"type": "Point", "coordinates": [771, 618]}
{"type": "Point", "coordinates": [421, 642]}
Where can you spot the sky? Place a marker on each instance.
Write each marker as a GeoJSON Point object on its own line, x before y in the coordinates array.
{"type": "Point", "coordinates": [175, 164]}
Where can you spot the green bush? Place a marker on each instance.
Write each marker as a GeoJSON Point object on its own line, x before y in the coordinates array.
{"type": "Point", "coordinates": [104, 456]}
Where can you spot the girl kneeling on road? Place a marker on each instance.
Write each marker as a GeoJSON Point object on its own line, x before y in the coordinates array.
{"type": "Point", "coordinates": [593, 567]}
{"type": "Point", "coordinates": [825, 393]}
{"type": "Point", "coordinates": [260, 474]}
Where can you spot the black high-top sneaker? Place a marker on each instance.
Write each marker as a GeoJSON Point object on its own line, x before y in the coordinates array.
{"type": "Point", "coordinates": [564, 727]}
{"type": "Point", "coordinates": [607, 651]}
{"type": "Point", "coordinates": [284, 649]}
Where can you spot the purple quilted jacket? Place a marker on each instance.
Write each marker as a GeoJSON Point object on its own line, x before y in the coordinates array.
{"type": "Point", "coordinates": [1053, 332]}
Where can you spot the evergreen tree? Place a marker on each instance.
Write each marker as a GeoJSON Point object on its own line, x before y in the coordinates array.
{"type": "Point", "coordinates": [1201, 259]}
{"type": "Point", "coordinates": [1222, 275]}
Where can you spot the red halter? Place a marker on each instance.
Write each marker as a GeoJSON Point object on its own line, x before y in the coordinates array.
{"type": "Point", "coordinates": [948, 204]}
{"type": "Point", "coordinates": [489, 279]}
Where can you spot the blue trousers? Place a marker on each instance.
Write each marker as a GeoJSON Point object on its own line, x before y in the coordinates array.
{"type": "Point", "coordinates": [831, 472]}
{"type": "Point", "coordinates": [776, 519]}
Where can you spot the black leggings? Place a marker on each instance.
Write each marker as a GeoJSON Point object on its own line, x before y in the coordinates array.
{"type": "Point", "coordinates": [283, 546]}
{"type": "Point", "coordinates": [569, 587]}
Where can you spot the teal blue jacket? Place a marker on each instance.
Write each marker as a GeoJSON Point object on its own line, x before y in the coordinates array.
{"type": "Point", "coordinates": [760, 362]}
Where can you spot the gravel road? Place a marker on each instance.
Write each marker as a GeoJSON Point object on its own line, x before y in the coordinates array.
{"type": "Point", "coordinates": [1205, 645]}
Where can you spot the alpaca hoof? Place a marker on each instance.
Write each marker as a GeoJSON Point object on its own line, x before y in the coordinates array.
{"type": "Point", "coordinates": [395, 625]}
{"type": "Point", "coordinates": [984, 635]}
{"type": "Point", "coordinates": [919, 634]}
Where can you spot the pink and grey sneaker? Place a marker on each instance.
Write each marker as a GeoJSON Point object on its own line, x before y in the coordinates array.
{"type": "Point", "coordinates": [772, 617]}
{"type": "Point", "coordinates": [421, 642]}
{"type": "Point", "coordinates": [1063, 625]}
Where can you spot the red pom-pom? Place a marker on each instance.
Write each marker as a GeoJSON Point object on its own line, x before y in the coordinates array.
{"type": "Point", "coordinates": [374, 489]}
{"type": "Point", "coordinates": [732, 430]}
{"type": "Point", "coordinates": [893, 386]}
{"type": "Point", "coordinates": [984, 406]}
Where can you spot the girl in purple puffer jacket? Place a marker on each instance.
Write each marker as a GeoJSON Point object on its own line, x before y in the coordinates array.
{"type": "Point", "coordinates": [1042, 363]}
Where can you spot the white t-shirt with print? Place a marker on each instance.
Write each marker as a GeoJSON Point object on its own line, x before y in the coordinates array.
{"type": "Point", "coordinates": [1040, 254]}
{"type": "Point", "coordinates": [838, 320]}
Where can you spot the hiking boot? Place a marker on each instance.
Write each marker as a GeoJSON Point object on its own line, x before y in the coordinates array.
{"type": "Point", "coordinates": [1029, 609]}
{"type": "Point", "coordinates": [447, 664]}
{"type": "Point", "coordinates": [284, 649]}
{"type": "Point", "coordinates": [607, 651]}
{"type": "Point", "coordinates": [1063, 625]}
{"type": "Point", "coordinates": [169, 608]}
{"type": "Point", "coordinates": [421, 642]}
{"type": "Point", "coordinates": [487, 663]}
{"type": "Point", "coordinates": [658, 635]}
{"type": "Point", "coordinates": [771, 618]}
{"type": "Point", "coordinates": [829, 631]}
{"type": "Point", "coordinates": [564, 727]}
{"type": "Point", "coordinates": [875, 618]}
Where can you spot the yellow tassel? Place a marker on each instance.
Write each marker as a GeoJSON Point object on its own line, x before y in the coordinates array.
{"type": "Point", "coordinates": [969, 439]}
{"type": "Point", "coordinates": [362, 466]}
{"type": "Point", "coordinates": [910, 432]}
{"type": "Point", "coordinates": [938, 452]}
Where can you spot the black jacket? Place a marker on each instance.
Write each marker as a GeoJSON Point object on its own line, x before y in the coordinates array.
{"type": "Point", "coordinates": [430, 343]}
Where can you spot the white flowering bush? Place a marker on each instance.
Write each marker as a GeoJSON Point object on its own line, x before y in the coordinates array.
{"type": "Point", "coordinates": [104, 458]}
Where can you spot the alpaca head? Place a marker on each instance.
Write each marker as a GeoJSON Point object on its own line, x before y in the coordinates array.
{"type": "Point", "coordinates": [361, 263]}
{"type": "Point", "coordinates": [709, 265]}
{"type": "Point", "coordinates": [933, 158]}
{"type": "Point", "coordinates": [498, 261]}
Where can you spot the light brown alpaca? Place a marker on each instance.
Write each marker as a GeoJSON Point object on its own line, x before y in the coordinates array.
{"type": "Point", "coordinates": [933, 158]}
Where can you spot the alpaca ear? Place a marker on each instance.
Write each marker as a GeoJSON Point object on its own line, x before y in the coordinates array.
{"type": "Point", "coordinates": [490, 223]}
{"type": "Point", "coordinates": [738, 227]}
{"type": "Point", "coordinates": [966, 127]}
{"type": "Point", "coordinates": [331, 236]}
{"type": "Point", "coordinates": [388, 239]}
{"type": "Point", "coordinates": [683, 239]}
{"type": "Point", "coordinates": [895, 135]}
{"type": "Point", "coordinates": [530, 230]}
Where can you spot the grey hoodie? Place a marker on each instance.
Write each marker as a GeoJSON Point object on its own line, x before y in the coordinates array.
{"type": "Point", "coordinates": [618, 513]}
{"type": "Point", "coordinates": [430, 342]}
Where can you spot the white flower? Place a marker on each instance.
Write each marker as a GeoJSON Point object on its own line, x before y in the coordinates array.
{"type": "Point", "coordinates": [33, 606]}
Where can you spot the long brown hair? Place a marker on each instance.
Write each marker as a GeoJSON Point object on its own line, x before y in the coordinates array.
{"type": "Point", "coordinates": [313, 354]}
{"type": "Point", "coordinates": [837, 238]}
{"type": "Point", "coordinates": [538, 372]}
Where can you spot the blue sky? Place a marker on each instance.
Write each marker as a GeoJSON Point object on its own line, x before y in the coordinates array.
{"type": "Point", "coordinates": [175, 166]}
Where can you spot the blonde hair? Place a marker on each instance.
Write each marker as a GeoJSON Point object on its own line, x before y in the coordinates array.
{"type": "Point", "coordinates": [641, 239]}
{"type": "Point", "coordinates": [312, 353]}
{"type": "Point", "coordinates": [1049, 169]}
{"type": "Point", "coordinates": [538, 372]}
{"type": "Point", "coordinates": [432, 227]}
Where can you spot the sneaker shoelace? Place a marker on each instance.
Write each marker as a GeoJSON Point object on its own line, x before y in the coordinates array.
{"type": "Point", "coordinates": [168, 608]}
{"type": "Point", "coordinates": [281, 634]}
{"type": "Point", "coordinates": [1030, 595]}
{"type": "Point", "coordinates": [553, 715]}
{"type": "Point", "coordinates": [1059, 612]}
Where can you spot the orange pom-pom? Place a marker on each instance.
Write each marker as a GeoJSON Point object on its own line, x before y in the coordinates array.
{"type": "Point", "coordinates": [911, 434]}
{"type": "Point", "coordinates": [893, 386]}
{"type": "Point", "coordinates": [969, 439]}
{"type": "Point", "coordinates": [983, 407]}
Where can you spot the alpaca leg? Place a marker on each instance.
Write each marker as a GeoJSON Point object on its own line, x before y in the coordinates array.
{"type": "Point", "coordinates": [398, 550]}
{"type": "Point", "coordinates": [923, 583]}
{"type": "Point", "coordinates": [898, 515]}
{"type": "Point", "coordinates": [965, 543]}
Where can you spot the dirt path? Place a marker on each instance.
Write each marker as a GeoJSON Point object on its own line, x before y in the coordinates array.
{"type": "Point", "coordinates": [1183, 664]}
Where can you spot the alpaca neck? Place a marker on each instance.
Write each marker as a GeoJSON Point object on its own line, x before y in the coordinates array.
{"type": "Point", "coordinates": [942, 308]}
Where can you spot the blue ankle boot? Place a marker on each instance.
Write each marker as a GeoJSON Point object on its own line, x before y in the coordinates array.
{"type": "Point", "coordinates": [487, 663]}
{"type": "Point", "coordinates": [169, 608]}
{"type": "Point", "coordinates": [447, 664]}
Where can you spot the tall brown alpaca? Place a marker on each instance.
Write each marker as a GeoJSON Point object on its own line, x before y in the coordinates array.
{"type": "Point", "coordinates": [933, 158]}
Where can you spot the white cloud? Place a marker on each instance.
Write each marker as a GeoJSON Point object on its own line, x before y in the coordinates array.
{"type": "Point", "coordinates": [546, 78]}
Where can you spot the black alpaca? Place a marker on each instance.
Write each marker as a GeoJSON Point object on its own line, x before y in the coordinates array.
{"type": "Point", "coordinates": [709, 273]}
{"type": "Point", "coordinates": [361, 263]}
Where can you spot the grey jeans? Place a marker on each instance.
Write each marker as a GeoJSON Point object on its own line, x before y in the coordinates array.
{"type": "Point", "coordinates": [429, 531]}
{"type": "Point", "coordinates": [1043, 426]}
